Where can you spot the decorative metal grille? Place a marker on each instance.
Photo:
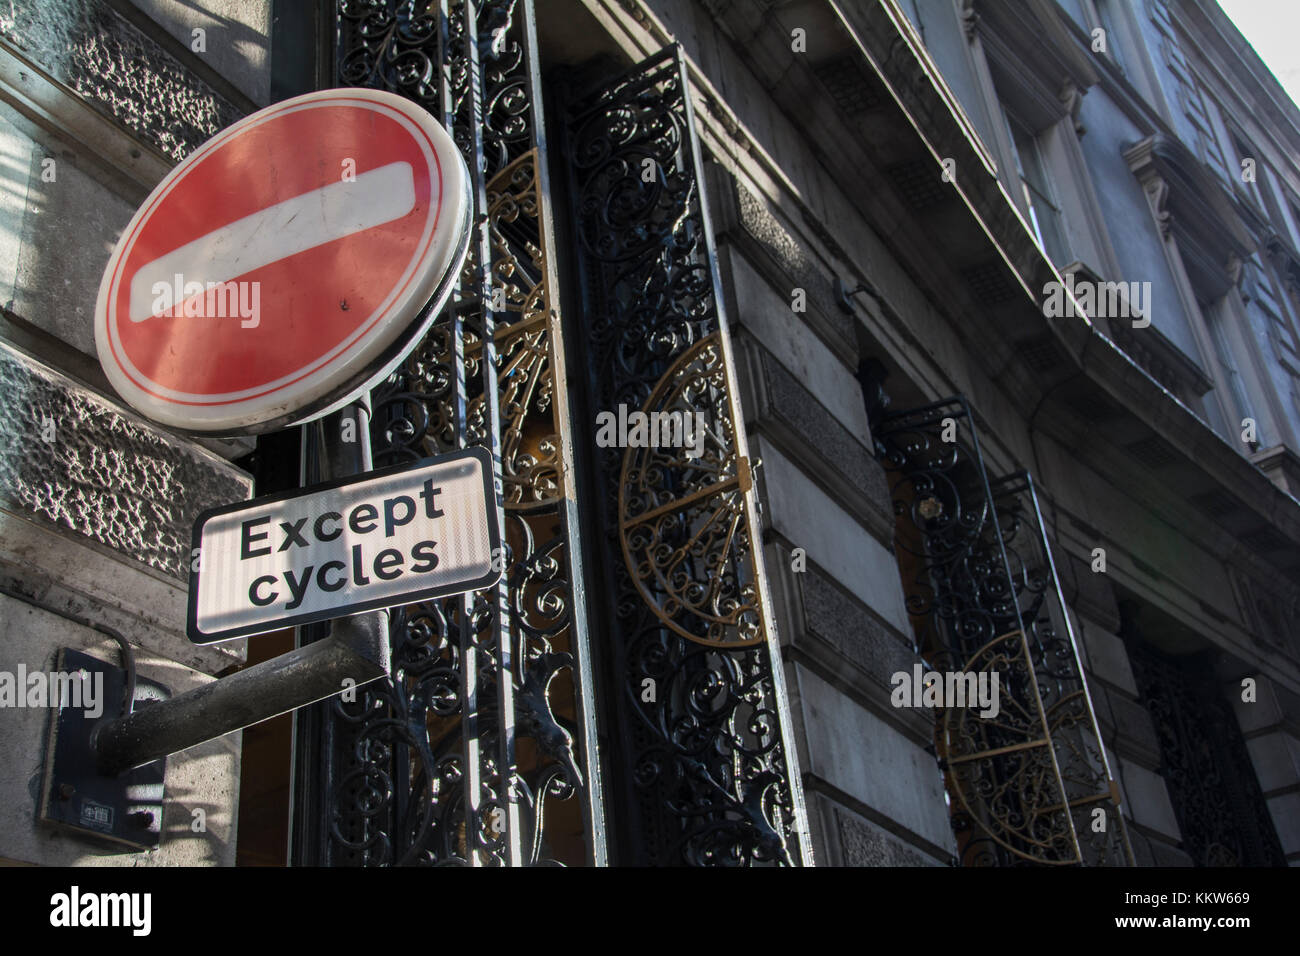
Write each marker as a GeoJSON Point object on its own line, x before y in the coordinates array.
{"type": "Point", "coordinates": [1221, 812]}
{"type": "Point", "coordinates": [702, 769]}
{"type": "Point", "coordinates": [1062, 685]}
{"type": "Point", "coordinates": [481, 748]}
{"type": "Point", "coordinates": [983, 596]}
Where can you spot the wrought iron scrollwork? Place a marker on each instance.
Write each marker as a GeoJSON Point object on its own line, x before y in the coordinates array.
{"type": "Point", "coordinates": [1062, 686]}
{"type": "Point", "coordinates": [704, 768]}
{"type": "Point", "coordinates": [390, 46]}
{"type": "Point", "coordinates": [682, 517]}
{"type": "Point", "coordinates": [1221, 812]}
{"type": "Point", "coordinates": [479, 750]}
{"type": "Point", "coordinates": [982, 594]}
{"type": "Point", "coordinates": [1000, 769]}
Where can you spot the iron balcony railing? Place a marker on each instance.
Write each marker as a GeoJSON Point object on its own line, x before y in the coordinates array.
{"type": "Point", "coordinates": [1032, 784]}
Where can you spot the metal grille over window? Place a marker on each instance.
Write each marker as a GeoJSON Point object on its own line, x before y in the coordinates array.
{"type": "Point", "coordinates": [703, 771]}
{"type": "Point", "coordinates": [1221, 812]}
{"type": "Point", "coordinates": [1029, 783]}
{"type": "Point", "coordinates": [481, 748]}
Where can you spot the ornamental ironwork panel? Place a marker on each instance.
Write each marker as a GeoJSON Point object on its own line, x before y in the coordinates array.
{"type": "Point", "coordinates": [480, 749]}
{"type": "Point", "coordinates": [703, 771]}
{"type": "Point", "coordinates": [1221, 812]}
{"type": "Point", "coordinates": [1062, 685]}
{"type": "Point", "coordinates": [1030, 784]}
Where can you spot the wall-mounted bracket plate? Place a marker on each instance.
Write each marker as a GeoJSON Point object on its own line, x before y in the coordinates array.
{"type": "Point", "coordinates": [125, 810]}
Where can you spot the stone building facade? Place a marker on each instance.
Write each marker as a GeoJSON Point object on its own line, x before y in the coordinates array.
{"type": "Point", "coordinates": [992, 312]}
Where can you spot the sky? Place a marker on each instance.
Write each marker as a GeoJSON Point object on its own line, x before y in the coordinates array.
{"type": "Point", "coordinates": [1271, 27]}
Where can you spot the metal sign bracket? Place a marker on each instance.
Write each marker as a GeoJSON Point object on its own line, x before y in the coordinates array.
{"type": "Point", "coordinates": [125, 809]}
{"type": "Point", "coordinates": [105, 760]}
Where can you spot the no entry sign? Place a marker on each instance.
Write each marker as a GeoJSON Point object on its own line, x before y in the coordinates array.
{"type": "Point", "coordinates": [286, 265]}
{"type": "Point", "coordinates": [391, 537]}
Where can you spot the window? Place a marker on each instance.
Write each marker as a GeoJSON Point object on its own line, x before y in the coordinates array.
{"type": "Point", "coordinates": [1222, 815]}
{"type": "Point", "coordinates": [1244, 152]}
{"type": "Point", "coordinates": [1214, 318]}
{"type": "Point", "coordinates": [1106, 17]}
{"type": "Point", "coordinates": [1044, 213]}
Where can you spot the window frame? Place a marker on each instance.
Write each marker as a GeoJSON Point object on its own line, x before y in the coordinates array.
{"type": "Point", "coordinates": [1048, 217]}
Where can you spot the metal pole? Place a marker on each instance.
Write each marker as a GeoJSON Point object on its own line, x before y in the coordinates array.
{"type": "Point", "coordinates": [357, 650]}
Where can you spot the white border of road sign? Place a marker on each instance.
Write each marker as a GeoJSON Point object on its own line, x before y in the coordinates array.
{"type": "Point", "coordinates": [290, 619]}
{"type": "Point", "coordinates": [366, 357]}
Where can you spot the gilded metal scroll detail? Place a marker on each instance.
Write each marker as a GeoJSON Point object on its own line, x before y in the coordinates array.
{"type": "Point", "coordinates": [682, 515]}
{"type": "Point", "coordinates": [477, 751]}
{"type": "Point", "coordinates": [1000, 769]}
{"type": "Point", "coordinates": [703, 769]}
{"type": "Point", "coordinates": [530, 436]}
{"type": "Point", "coordinates": [983, 596]}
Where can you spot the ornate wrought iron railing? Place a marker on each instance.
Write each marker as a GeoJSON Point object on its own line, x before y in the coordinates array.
{"type": "Point", "coordinates": [1221, 812]}
{"type": "Point", "coordinates": [1032, 784]}
{"type": "Point", "coordinates": [1062, 684]}
{"type": "Point", "coordinates": [480, 750]}
{"type": "Point", "coordinates": [702, 769]}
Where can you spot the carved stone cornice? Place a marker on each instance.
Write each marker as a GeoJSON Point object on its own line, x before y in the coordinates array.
{"type": "Point", "coordinates": [1187, 201]}
{"type": "Point", "coordinates": [110, 63]}
{"type": "Point", "coordinates": [1072, 97]}
{"type": "Point", "coordinates": [1163, 360]}
{"type": "Point", "coordinates": [1284, 258]}
{"type": "Point", "coordinates": [1157, 192]}
{"type": "Point", "coordinates": [970, 18]}
{"type": "Point", "coordinates": [1029, 39]}
{"type": "Point", "coordinates": [1235, 270]}
{"type": "Point", "coordinates": [1275, 249]}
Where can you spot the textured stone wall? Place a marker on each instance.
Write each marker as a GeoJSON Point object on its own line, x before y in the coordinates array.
{"type": "Point", "coordinates": [874, 794]}
{"type": "Point", "coordinates": [116, 68]}
{"type": "Point", "coordinates": [236, 37]}
{"type": "Point", "coordinates": [97, 504]}
{"type": "Point", "coordinates": [103, 473]}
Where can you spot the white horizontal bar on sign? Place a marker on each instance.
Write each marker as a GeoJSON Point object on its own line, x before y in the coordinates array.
{"type": "Point", "coordinates": [277, 232]}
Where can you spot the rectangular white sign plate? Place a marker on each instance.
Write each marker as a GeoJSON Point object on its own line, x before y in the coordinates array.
{"type": "Point", "coordinates": [377, 540]}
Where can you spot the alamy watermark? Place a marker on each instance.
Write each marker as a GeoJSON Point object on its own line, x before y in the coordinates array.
{"type": "Point", "coordinates": [946, 689]}
{"type": "Point", "coordinates": [205, 300]}
{"type": "Point", "coordinates": [1106, 300]}
{"type": "Point", "coordinates": [675, 429]}
{"type": "Point", "coordinates": [76, 909]}
{"type": "Point", "coordinates": [80, 689]}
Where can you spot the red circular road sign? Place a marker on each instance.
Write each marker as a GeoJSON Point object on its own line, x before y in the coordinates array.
{"type": "Point", "coordinates": [286, 265]}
